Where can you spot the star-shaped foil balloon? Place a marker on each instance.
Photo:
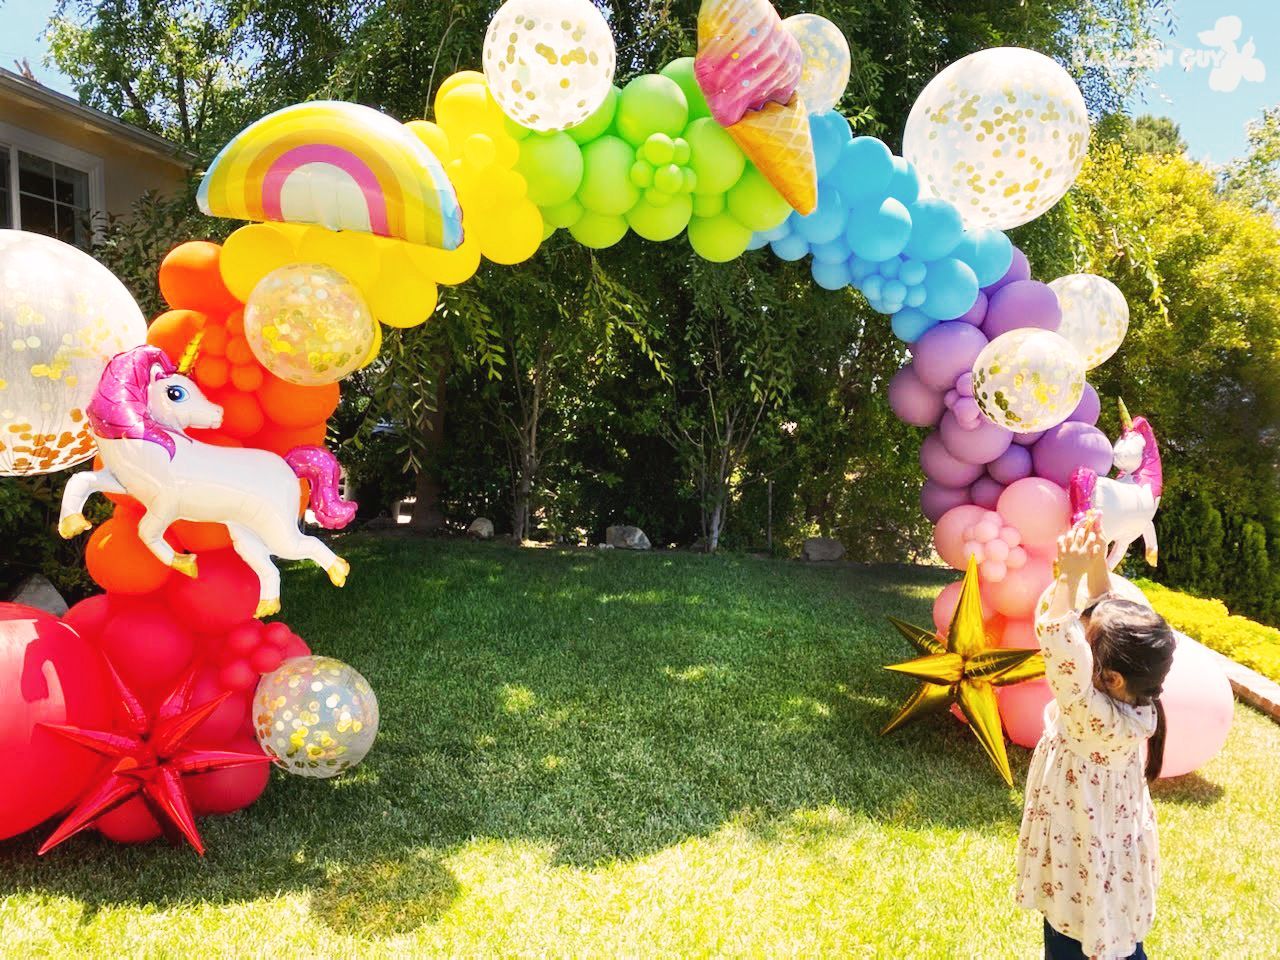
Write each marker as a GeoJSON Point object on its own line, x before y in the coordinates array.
{"type": "Point", "coordinates": [964, 669]}
{"type": "Point", "coordinates": [149, 759]}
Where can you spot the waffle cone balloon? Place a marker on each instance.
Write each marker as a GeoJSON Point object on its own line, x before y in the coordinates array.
{"type": "Point", "coordinates": [779, 142]}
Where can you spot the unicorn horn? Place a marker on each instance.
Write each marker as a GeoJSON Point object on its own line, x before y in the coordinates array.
{"type": "Point", "coordinates": [1126, 421]}
{"type": "Point", "coordinates": [189, 355]}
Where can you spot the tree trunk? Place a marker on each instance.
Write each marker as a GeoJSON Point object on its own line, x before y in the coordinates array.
{"type": "Point", "coordinates": [427, 515]}
{"type": "Point", "coordinates": [716, 522]}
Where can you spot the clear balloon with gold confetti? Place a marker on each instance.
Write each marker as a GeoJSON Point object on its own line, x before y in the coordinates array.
{"type": "Point", "coordinates": [314, 716]}
{"type": "Point", "coordinates": [1028, 380]}
{"type": "Point", "coordinates": [63, 315]}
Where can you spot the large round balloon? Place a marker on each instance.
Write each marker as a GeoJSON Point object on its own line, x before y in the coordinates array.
{"type": "Point", "coordinates": [308, 324]}
{"type": "Point", "coordinates": [1028, 380]}
{"type": "Point", "coordinates": [549, 63]}
{"type": "Point", "coordinates": [1001, 133]}
{"type": "Point", "coordinates": [825, 73]}
{"type": "Point", "coordinates": [315, 716]}
{"type": "Point", "coordinates": [63, 315]}
{"type": "Point", "coordinates": [1095, 316]}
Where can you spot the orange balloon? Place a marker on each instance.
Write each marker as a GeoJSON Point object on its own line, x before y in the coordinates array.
{"type": "Point", "coordinates": [238, 352]}
{"type": "Point", "coordinates": [173, 331]}
{"type": "Point", "coordinates": [189, 277]}
{"type": "Point", "coordinates": [210, 371]}
{"type": "Point", "coordinates": [201, 537]}
{"type": "Point", "coordinates": [294, 406]}
{"type": "Point", "coordinates": [247, 377]}
{"type": "Point", "coordinates": [119, 562]}
{"type": "Point", "coordinates": [214, 341]}
{"type": "Point", "coordinates": [281, 440]}
{"type": "Point", "coordinates": [241, 415]}
{"type": "Point", "coordinates": [235, 323]}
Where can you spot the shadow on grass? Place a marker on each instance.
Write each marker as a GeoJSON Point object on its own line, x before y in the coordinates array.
{"type": "Point", "coordinates": [601, 706]}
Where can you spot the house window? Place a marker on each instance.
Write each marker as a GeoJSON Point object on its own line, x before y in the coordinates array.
{"type": "Point", "coordinates": [44, 196]}
{"type": "Point", "coordinates": [6, 218]}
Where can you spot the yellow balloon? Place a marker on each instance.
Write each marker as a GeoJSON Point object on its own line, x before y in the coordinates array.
{"type": "Point", "coordinates": [462, 78]}
{"type": "Point", "coordinates": [354, 255]}
{"type": "Point", "coordinates": [431, 134]}
{"type": "Point", "coordinates": [403, 296]}
{"type": "Point", "coordinates": [449, 267]}
{"type": "Point", "coordinates": [376, 348]}
{"type": "Point", "coordinates": [512, 234]}
{"type": "Point", "coordinates": [251, 253]}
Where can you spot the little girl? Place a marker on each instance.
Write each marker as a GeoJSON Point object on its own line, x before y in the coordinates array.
{"type": "Point", "coordinates": [1087, 854]}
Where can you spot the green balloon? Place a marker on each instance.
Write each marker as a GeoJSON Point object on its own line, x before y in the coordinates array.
{"type": "Point", "coordinates": [681, 71]}
{"type": "Point", "coordinates": [564, 215]}
{"type": "Point", "coordinates": [597, 230]}
{"type": "Point", "coordinates": [659, 149]}
{"type": "Point", "coordinates": [705, 204]}
{"type": "Point", "coordinates": [755, 203]}
{"type": "Point", "coordinates": [551, 165]}
{"type": "Point", "coordinates": [651, 104]}
{"type": "Point", "coordinates": [713, 156]}
{"type": "Point", "coordinates": [718, 239]}
{"type": "Point", "coordinates": [598, 124]}
{"type": "Point", "coordinates": [516, 131]}
{"type": "Point", "coordinates": [680, 151]}
{"type": "Point", "coordinates": [663, 222]}
{"type": "Point", "coordinates": [669, 179]}
{"type": "Point", "coordinates": [641, 174]}
{"type": "Point", "coordinates": [606, 179]}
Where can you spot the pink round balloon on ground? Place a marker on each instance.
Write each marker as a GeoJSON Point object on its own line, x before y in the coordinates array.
{"type": "Point", "coordinates": [1022, 710]}
{"type": "Point", "coordinates": [911, 401]}
{"type": "Point", "coordinates": [944, 606]}
{"type": "Point", "coordinates": [1198, 708]}
{"type": "Point", "coordinates": [1019, 269]}
{"type": "Point", "coordinates": [1068, 446]}
{"type": "Point", "coordinates": [936, 500]}
{"type": "Point", "coordinates": [1020, 635]}
{"type": "Point", "coordinates": [948, 535]}
{"type": "Point", "coordinates": [939, 465]}
{"type": "Point", "coordinates": [1011, 466]}
{"type": "Point", "coordinates": [986, 492]}
{"type": "Point", "coordinates": [1022, 303]}
{"type": "Point", "coordinates": [1015, 596]}
{"type": "Point", "coordinates": [946, 351]}
{"type": "Point", "coordinates": [1089, 408]}
{"type": "Point", "coordinates": [980, 445]}
{"type": "Point", "coordinates": [1039, 508]}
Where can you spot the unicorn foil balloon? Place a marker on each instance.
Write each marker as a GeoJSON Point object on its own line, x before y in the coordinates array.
{"type": "Point", "coordinates": [139, 415]}
{"type": "Point", "coordinates": [1126, 504]}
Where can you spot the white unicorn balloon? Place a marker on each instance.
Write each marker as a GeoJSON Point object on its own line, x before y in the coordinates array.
{"type": "Point", "coordinates": [139, 415]}
{"type": "Point", "coordinates": [1127, 505]}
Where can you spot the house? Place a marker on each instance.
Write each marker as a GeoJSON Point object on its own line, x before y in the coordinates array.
{"type": "Point", "coordinates": [63, 166]}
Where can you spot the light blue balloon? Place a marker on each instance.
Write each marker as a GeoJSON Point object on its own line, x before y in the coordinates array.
{"type": "Point", "coordinates": [830, 276]}
{"type": "Point", "coordinates": [864, 170]}
{"type": "Point", "coordinates": [988, 251]}
{"type": "Point", "coordinates": [860, 269]}
{"type": "Point", "coordinates": [757, 242]}
{"type": "Point", "coordinates": [830, 133]}
{"type": "Point", "coordinates": [873, 286]}
{"type": "Point", "coordinates": [780, 232]}
{"type": "Point", "coordinates": [912, 272]}
{"type": "Point", "coordinates": [909, 325]}
{"type": "Point", "coordinates": [915, 296]}
{"type": "Point", "coordinates": [793, 247]}
{"type": "Point", "coordinates": [904, 184]}
{"type": "Point", "coordinates": [827, 222]}
{"type": "Point", "coordinates": [834, 252]}
{"type": "Point", "coordinates": [936, 228]}
{"type": "Point", "coordinates": [894, 291]}
{"type": "Point", "coordinates": [951, 287]}
{"type": "Point", "coordinates": [889, 269]}
{"type": "Point", "coordinates": [878, 231]}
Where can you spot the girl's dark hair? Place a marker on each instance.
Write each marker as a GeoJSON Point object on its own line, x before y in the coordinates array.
{"type": "Point", "coordinates": [1136, 643]}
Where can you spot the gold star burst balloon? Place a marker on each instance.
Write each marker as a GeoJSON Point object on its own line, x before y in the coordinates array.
{"type": "Point", "coordinates": [965, 669]}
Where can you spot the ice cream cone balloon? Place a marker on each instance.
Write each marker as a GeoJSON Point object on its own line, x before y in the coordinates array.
{"type": "Point", "coordinates": [777, 139]}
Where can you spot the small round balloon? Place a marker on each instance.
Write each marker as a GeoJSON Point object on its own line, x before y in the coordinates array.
{"type": "Point", "coordinates": [315, 716]}
{"type": "Point", "coordinates": [1095, 316]}
{"type": "Point", "coordinates": [63, 315]}
{"type": "Point", "coordinates": [1028, 380]}
{"type": "Point", "coordinates": [1001, 133]}
{"type": "Point", "coordinates": [308, 324]}
{"type": "Point", "coordinates": [825, 73]}
{"type": "Point", "coordinates": [549, 63]}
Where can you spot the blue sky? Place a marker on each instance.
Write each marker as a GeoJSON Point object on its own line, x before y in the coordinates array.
{"type": "Point", "coordinates": [1212, 121]}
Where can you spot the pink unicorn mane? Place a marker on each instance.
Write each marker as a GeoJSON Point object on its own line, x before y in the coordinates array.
{"type": "Point", "coordinates": [1150, 471]}
{"type": "Point", "coordinates": [118, 410]}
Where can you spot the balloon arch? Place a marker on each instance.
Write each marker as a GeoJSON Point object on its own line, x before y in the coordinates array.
{"type": "Point", "coordinates": [210, 437]}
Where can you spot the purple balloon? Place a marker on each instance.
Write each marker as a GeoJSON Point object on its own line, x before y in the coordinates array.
{"type": "Point", "coordinates": [1028, 439]}
{"type": "Point", "coordinates": [981, 445]}
{"type": "Point", "coordinates": [1067, 446]}
{"type": "Point", "coordinates": [978, 312]}
{"type": "Point", "coordinates": [1011, 466]}
{"type": "Point", "coordinates": [1023, 303]}
{"type": "Point", "coordinates": [935, 499]}
{"type": "Point", "coordinates": [986, 492]}
{"type": "Point", "coordinates": [912, 401]}
{"type": "Point", "coordinates": [946, 351]}
{"type": "Point", "coordinates": [940, 466]}
{"type": "Point", "coordinates": [1019, 269]}
{"type": "Point", "coordinates": [1089, 407]}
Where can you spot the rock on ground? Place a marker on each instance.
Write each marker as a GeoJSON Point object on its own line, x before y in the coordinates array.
{"type": "Point", "coordinates": [822, 550]}
{"type": "Point", "coordinates": [38, 592]}
{"type": "Point", "coordinates": [481, 528]}
{"type": "Point", "coordinates": [627, 538]}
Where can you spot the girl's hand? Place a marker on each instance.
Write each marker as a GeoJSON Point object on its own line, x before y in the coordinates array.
{"type": "Point", "coordinates": [1080, 550]}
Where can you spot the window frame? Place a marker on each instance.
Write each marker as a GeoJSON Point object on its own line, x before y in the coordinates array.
{"type": "Point", "coordinates": [14, 139]}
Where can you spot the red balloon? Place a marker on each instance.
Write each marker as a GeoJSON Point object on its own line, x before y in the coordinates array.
{"type": "Point", "coordinates": [238, 675]}
{"type": "Point", "coordinates": [224, 595]}
{"type": "Point", "coordinates": [131, 822]}
{"type": "Point", "coordinates": [231, 788]}
{"type": "Point", "coordinates": [88, 617]}
{"type": "Point", "coordinates": [48, 674]}
{"type": "Point", "coordinates": [148, 648]}
{"type": "Point", "coordinates": [224, 722]}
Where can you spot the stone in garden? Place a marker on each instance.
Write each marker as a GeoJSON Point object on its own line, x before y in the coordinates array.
{"type": "Point", "coordinates": [821, 550]}
{"type": "Point", "coordinates": [627, 538]}
{"type": "Point", "coordinates": [38, 592]}
{"type": "Point", "coordinates": [481, 528]}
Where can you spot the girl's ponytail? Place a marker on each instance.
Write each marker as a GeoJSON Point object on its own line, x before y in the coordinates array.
{"type": "Point", "coordinates": [1155, 746]}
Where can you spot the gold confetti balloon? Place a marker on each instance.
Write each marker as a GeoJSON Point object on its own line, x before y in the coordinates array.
{"type": "Point", "coordinates": [825, 73]}
{"type": "Point", "coordinates": [1001, 134]}
{"type": "Point", "coordinates": [315, 716]}
{"type": "Point", "coordinates": [549, 63]}
{"type": "Point", "coordinates": [1095, 316]}
{"type": "Point", "coordinates": [1028, 380]}
{"type": "Point", "coordinates": [308, 324]}
{"type": "Point", "coordinates": [63, 315]}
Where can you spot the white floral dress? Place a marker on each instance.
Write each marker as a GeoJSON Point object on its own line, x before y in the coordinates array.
{"type": "Point", "coordinates": [1088, 856]}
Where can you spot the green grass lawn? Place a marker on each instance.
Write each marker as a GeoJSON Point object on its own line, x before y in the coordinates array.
{"type": "Point", "coordinates": [613, 754]}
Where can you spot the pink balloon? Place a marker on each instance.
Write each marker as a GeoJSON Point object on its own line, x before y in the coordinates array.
{"type": "Point", "coordinates": [936, 500]}
{"type": "Point", "coordinates": [1039, 508]}
{"type": "Point", "coordinates": [1022, 710]}
{"type": "Point", "coordinates": [1016, 595]}
{"type": "Point", "coordinates": [988, 528]}
{"type": "Point", "coordinates": [944, 607]}
{"type": "Point", "coordinates": [948, 536]}
{"type": "Point", "coordinates": [972, 548]}
{"type": "Point", "coordinates": [1020, 635]}
{"type": "Point", "coordinates": [912, 402]}
{"type": "Point", "coordinates": [993, 571]}
{"type": "Point", "coordinates": [1198, 709]}
{"type": "Point", "coordinates": [980, 444]}
{"type": "Point", "coordinates": [1017, 558]}
{"type": "Point", "coordinates": [997, 550]}
{"type": "Point", "coordinates": [938, 464]}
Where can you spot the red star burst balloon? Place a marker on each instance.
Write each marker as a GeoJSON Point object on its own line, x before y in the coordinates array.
{"type": "Point", "coordinates": [150, 758]}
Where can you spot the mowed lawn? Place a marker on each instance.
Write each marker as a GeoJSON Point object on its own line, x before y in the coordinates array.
{"type": "Point", "coordinates": [613, 754]}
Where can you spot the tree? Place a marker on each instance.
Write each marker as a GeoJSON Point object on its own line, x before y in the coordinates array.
{"type": "Point", "coordinates": [1148, 134]}
{"type": "Point", "coordinates": [1255, 179]}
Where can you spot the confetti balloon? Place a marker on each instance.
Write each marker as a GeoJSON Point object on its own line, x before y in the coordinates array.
{"type": "Point", "coordinates": [549, 63]}
{"type": "Point", "coordinates": [308, 324]}
{"type": "Point", "coordinates": [825, 73]}
{"type": "Point", "coordinates": [63, 315]}
{"type": "Point", "coordinates": [315, 716]}
{"type": "Point", "coordinates": [1095, 316]}
{"type": "Point", "coordinates": [1028, 380]}
{"type": "Point", "coordinates": [1001, 134]}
